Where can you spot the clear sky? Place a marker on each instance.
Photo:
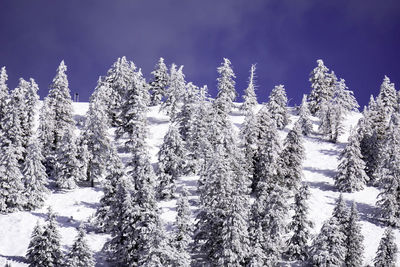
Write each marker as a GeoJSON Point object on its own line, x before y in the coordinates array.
{"type": "Point", "coordinates": [358, 39]}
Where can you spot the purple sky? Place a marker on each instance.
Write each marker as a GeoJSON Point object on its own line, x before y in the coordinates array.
{"type": "Point", "coordinates": [359, 40]}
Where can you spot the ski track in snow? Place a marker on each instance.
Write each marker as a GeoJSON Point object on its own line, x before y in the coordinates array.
{"type": "Point", "coordinates": [77, 206]}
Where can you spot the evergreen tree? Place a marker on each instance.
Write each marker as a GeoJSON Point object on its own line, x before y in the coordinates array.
{"type": "Point", "coordinates": [304, 117]}
{"type": "Point", "coordinates": [268, 149]}
{"type": "Point", "coordinates": [344, 97]}
{"type": "Point", "coordinates": [341, 214]}
{"type": "Point", "coordinates": [183, 234]}
{"type": "Point", "coordinates": [250, 97]}
{"type": "Point", "coordinates": [133, 112]}
{"type": "Point", "coordinates": [96, 140]}
{"type": "Point", "coordinates": [249, 142]}
{"type": "Point", "coordinates": [80, 254]}
{"type": "Point", "coordinates": [4, 93]}
{"type": "Point", "coordinates": [119, 78]}
{"type": "Point", "coordinates": [185, 116]}
{"type": "Point", "coordinates": [171, 162]}
{"type": "Point", "coordinates": [56, 116]}
{"type": "Point", "coordinates": [175, 93]}
{"type": "Point", "coordinates": [36, 254]}
{"type": "Point", "coordinates": [354, 240]}
{"type": "Point", "coordinates": [322, 87]}
{"type": "Point", "coordinates": [11, 185]}
{"type": "Point", "coordinates": [51, 247]}
{"type": "Point", "coordinates": [257, 257]}
{"type": "Point", "coordinates": [331, 119]}
{"type": "Point", "coordinates": [328, 247]}
{"type": "Point", "coordinates": [291, 158]}
{"type": "Point", "coordinates": [388, 96]}
{"type": "Point", "coordinates": [226, 88]}
{"type": "Point", "coordinates": [277, 106]}
{"type": "Point", "coordinates": [35, 177]}
{"type": "Point", "coordinates": [270, 212]}
{"type": "Point", "coordinates": [66, 169]}
{"type": "Point", "coordinates": [159, 82]}
{"type": "Point", "coordinates": [104, 217]}
{"type": "Point", "coordinates": [351, 175]}
{"type": "Point", "coordinates": [301, 227]}
{"type": "Point", "coordinates": [221, 232]}
{"type": "Point", "coordinates": [387, 250]}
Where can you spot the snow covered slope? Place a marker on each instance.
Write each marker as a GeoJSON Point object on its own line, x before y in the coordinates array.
{"type": "Point", "coordinates": [77, 206]}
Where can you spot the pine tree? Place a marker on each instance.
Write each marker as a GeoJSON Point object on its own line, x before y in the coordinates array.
{"type": "Point", "coordinates": [341, 213]}
{"type": "Point", "coordinates": [185, 116]}
{"type": "Point", "coordinates": [183, 234]}
{"type": "Point", "coordinates": [322, 87]}
{"type": "Point", "coordinates": [344, 97]}
{"type": "Point", "coordinates": [36, 254]}
{"type": "Point", "coordinates": [4, 93]}
{"type": "Point", "coordinates": [354, 240]}
{"type": "Point", "coordinates": [159, 83]}
{"type": "Point", "coordinates": [277, 106]}
{"type": "Point", "coordinates": [304, 117]}
{"type": "Point", "coordinates": [119, 78]}
{"type": "Point", "coordinates": [11, 186]}
{"type": "Point", "coordinates": [250, 97]}
{"type": "Point", "coordinates": [133, 119]}
{"type": "Point", "coordinates": [327, 248]}
{"type": "Point", "coordinates": [387, 250]}
{"type": "Point", "coordinates": [80, 254]}
{"type": "Point", "coordinates": [51, 247]}
{"type": "Point", "coordinates": [175, 93]}
{"type": "Point", "coordinates": [249, 143]}
{"type": "Point", "coordinates": [171, 162]}
{"type": "Point", "coordinates": [226, 88]}
{"type": "Point", "coordinates": [331, 119]}
{"type": "Point", "coordinates": [351, 175]}
{"type": "Point", "coordinates": [56, 116]}
{"type": "Point", "coordinates": [291, 158]}
{"type": "Point", "coordinates": [66, 169]}
{"type": "Point", "coordinates": [268, 149]}
{"type": "Point", "coordinates": [388, 96]}
{"type": "Point", "coordinates": [96, 140]}
{"type": "Point", "coordinates": [270, 211]}
{"type": "Point", "coordinates": [301, 227]}
{"type": "Point", "coordinates": [257, 257]}
{"type": "Point", "coordinates": [221, 232]}
{"type": "Point", "coordinates": [104, 217]}
{"type": "Point", "coordinates": [35, 177]}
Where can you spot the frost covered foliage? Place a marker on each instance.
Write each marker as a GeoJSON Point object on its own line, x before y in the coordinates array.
{"type": "Point", "coordinates": [56, 117]}
{"type": "Point", "coordinates": [221, 235]}
{"type": "Point", "coordinates": [44, 248]}
{"type": "Point", "coordinates": [132, 117]}
{"type": "Point", "coordinates": [159, 82]}
{"type": "Point", "coordinates": [304, 117]}
{"type": "Point", "coordinates": [119, 77]}
{"type": "Point", "coordinates": [354, 240]}
{"type": "Point", "coordinates": [297, 245]}
{"type": "Point", "coordinates": [386, 255]}
{"type": "Point", "coordinates": [388, 96]}
{"type": "Point", "coordinates": [291, 158]}
{"type": "Point", "coordinates": [4, 94]}
{"type": "Point", "coordinates": [95, 139]}
{"type": "Point", "coordinates": [226, 88]}
{"type": "Point", "coordinates": [344, 97]}
{"type": "Point", "coordinates": [277, 106]}
{"type": "Point", "coordinates": [186, 115]}
{"type": "Point", "coordinates": [182, 237]}
{"type": "Point", "coordinates": [250, 97]}
{"type": "Point", "coordinates": [11, 185]}
{"type": "Point", "coordinates": [268, 149]}
{"type": "Point", "coordinates": [35, 177]}
{"type": "Point", "coordinates": [176, 92]}
{"type": "Point", "coordinates": [80, 254]}
{"type": "Point", "coordinates": [249, 143]}
{"type": "Point", "coordinates": [322, 84]}
{"type": "Point", "coordinates": [171, 162]}
{"type": "Point", "coordinates": [351, 175]}
{"type": "Point", "coordinates": [66, 169]}
{"type": "Point", "coordinates": [389, 177]}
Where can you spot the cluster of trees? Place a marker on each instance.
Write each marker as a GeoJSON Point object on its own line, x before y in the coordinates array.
{"type": "Point", "coordinates": [229, 229]}
{"type": "Point", "coordinates": [45, 250]}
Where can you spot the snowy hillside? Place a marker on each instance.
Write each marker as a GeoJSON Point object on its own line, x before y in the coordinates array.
{"type": "Point", "coordinates": [77, 206]}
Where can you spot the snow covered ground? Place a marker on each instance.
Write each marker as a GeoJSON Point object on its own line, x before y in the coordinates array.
{"type": "Point", "coordinates": [77, 206]}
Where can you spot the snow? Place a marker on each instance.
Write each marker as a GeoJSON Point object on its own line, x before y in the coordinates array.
{"type": "Point", "coordinates": [77, 206]}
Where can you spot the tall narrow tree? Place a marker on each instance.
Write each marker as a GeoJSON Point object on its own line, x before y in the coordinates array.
{"type": "Point", "coordinates": [387, 250]}
{"type": "Point", "coordinates": [277, 106]}
{"type": "Point", "coordinates": [250, 97]}
{"type": "Point", "coordinates": [159, 83]}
